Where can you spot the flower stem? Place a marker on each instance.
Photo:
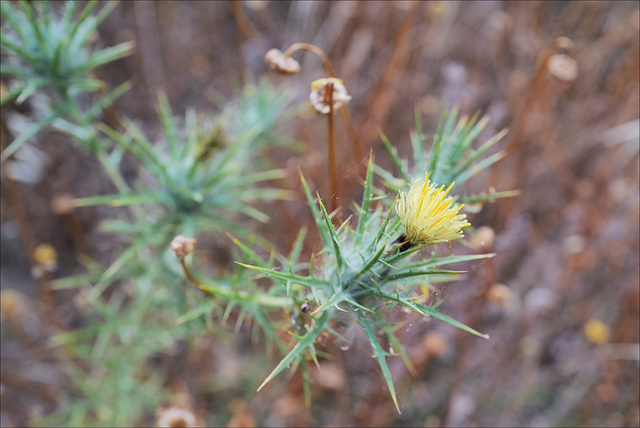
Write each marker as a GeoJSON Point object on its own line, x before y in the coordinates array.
{"type": "Point", "coordinates": [314, 49]}
{"type": "Point", "coordinates": [333, 171]}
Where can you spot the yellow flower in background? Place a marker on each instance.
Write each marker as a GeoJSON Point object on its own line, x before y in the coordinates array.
{"type": "Point", "coordinates": [45, 254]}
{"type": "Point", "coordinates": [429, 215]}
{"type": "Point", "coordinates": [596, 331]}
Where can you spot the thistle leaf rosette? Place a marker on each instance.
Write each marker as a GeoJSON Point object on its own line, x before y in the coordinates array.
{"type": "Point", "coordinates": [450, 158]}
{"type": "Point", "coordinates": [428, 215]}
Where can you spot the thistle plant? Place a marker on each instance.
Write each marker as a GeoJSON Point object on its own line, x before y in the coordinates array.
{"type": "Point", "coordinates": [204, 176]}
{"type": "Point", "coordinates": [366, 270]}
{"type": "Point", "coordinates": [369, 263]}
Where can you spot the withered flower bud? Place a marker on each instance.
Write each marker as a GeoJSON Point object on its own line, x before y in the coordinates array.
{"type": "Point", "coordinates": [277, 62]}
{"type": "Point", "coordinates": [563, 67]}
{"type": "Point", "coordinates": [183, 246]}
{"type": "Point", "coordinates": [319, 95]}
{"type": "Point", "coordinates": [176, 417]}
{"type": "Point", "coordinates": [62, 204]}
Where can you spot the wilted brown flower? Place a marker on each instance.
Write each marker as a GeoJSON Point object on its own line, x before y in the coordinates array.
{"type": "Point", "coordinates": [175, 417]}
{"type": "Point", "coordinates": [62, 204]}
{"type": "Point", "coordinates": [483, 239]}
{"type": "Point", "coordinates": [278, 62]}
{"type": "Point", "coordinates": [434, 344]}
{"type": "Point", "coordinates": [183, 246]}
{"type": "Point", "coordinates": [320, 94]}
{"type": "Point", "coordinates": [498, 294]}
{"type": "Point", "coordinates": [563, 67]}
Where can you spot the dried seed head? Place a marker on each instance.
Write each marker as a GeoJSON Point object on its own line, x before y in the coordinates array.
{"type": "Point", "coordinates": [320, 95]}
{"type": "Point", "coordinates": [63, 204]}
{"type": "Point", "coordinates": [563, 67]}
{"type": "Point", "coordinates": [279, 63]}
{"type": "Point", "coordinates": [498, 294]}
{"type": "Point", "coordinates": [435, 344]}
{"type": "Point", "coordinates": [46, 258]}
{"type": "Point", "coordinates": [11, 303]}
{"type": "Point", "coordinates": [183, 246]}
{"type": "Point", "coordinates": [175, 417]}
{"type": "Point", "coordinates": [483, 239]}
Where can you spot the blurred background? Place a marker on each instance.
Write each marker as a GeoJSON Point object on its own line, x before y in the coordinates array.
{"type": "Point", "coordinates": [561, 298]}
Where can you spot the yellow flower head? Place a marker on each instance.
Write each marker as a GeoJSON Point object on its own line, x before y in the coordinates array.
{"type": "Point", "coordinates": [428, 214]}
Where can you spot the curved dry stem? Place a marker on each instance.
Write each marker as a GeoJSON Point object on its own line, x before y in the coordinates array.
{"type": "Point", "coordinates": [191, 278]}
{"type": "Point", "coordinates": [314, 49]}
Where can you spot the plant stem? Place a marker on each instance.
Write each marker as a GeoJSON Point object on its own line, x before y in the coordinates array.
{"type": "Point", "coordinates": [314, 49]}
{"type": "Point", "coordinates": [346, 116]}
{"type": "Point", "coordinates": [261, 299]}
{"type": "Point", "coordinates": [333, 171]}
{"type": "Point", "coordinates": [29, 240]}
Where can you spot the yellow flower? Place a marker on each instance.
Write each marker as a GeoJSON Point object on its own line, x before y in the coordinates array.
{"type": "Point", "coordinates": [429, 215]}
{"type": "Point", "coordinates": [596, 331]}
{"type": "Point", "coordinates": [45, 254]}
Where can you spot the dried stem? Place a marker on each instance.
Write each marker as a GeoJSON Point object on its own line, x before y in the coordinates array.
{"type": "Point", "coordinates": [346, 116]}
{"type": "Point", "coordinates": [245, 26]}
{"type": "Point", "coordinates": [333, 171]}
{"type": "Point", "coordinates": [26, 232]}
{"type": "Point", "coordinates": [386, 89]}
{"type": "Point", "coordinates": [191, 278]}
{"type": "Point", "coordinates": [316, 50]}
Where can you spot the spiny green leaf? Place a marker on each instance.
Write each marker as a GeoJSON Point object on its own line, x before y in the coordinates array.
{"type": "Point", "coordinates": [366, 201]}
{"type": "Point", "coordinates": [478, 167]}
{"type": "Point", "coordinates": [368, 265]}
{"type": "Point", "coordinates": [380, 356]}
{"type": "Point", "coordinates": [411, 274]}
{"type": "Point", "coordinates": [332, 233]}
{"type": "Point", "coordinates": [440, 316]}
{"type": "Point", "coordinates": [26, 136]}
{"type": "Point", "coordinates": [304, 280]}
{"type": "Point", "coordinates": [396, 159]}
{"type": "Point", "coordinates": [433, 262]}
{"type": "Point", "coordinates": [320, 224]}
{"type": "Point", "coordinates": [297, 353]}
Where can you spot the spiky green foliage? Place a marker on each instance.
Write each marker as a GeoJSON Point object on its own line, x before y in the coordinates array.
{"type": "Point", "coordinates": [52, 51]}
{"type": "Point", "coordinates": [49, 50]}
{"type": "Point", "coordinates": [197, 177]}
{"type": "Point", "coordinates": [450, 158]}
{"type": "Point", "coordinates": [192, 182]}
{"type": "Point", "coordinates": [365, 271]}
